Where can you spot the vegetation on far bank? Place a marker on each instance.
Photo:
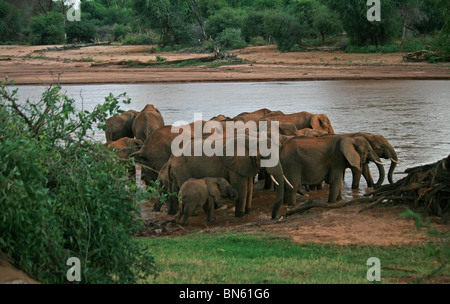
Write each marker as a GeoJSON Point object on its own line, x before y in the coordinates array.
{"type": "Point", "coordinates": [200, 25]}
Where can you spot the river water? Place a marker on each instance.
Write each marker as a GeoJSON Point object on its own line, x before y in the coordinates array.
{"type": "Point", "coordinates": [413, 115]}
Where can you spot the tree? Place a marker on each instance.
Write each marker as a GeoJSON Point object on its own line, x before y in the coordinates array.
{"type": "Point", "coordinates": [411, 12]}
{"type": "Point", "coordinates": [47, 29]}
{"type": "Point", "coordinates": [353, 14]}
{"type": "Point", "coordinates": [171, 18]}
{"type": "Point", "coordinates": [325, 22]}
{"type": "Point", "coordinates": [10, 22]}
{"type": "Point", "coordinates": [284, 28]}
{"type": "Point", "coordinates": [223, 19]}
{"type": "Point", "coordinates": [195, 8]}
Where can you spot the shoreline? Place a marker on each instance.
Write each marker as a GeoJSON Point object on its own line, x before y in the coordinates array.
{"type": "Point", "coordinates": [29, 65]}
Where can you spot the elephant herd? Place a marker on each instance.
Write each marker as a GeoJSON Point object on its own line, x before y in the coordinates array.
{"type": "Point", "coordinates": [308, 149]}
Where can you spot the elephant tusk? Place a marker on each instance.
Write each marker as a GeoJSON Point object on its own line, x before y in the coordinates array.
{"type": "Point", "coordinates": [378, 162]}
{"type": "Point", "coordinates": [287, 181]}
{"type": "Point", "coordinates": [274, 180]}
{"type": "Point", "coordinates": [394, 161]}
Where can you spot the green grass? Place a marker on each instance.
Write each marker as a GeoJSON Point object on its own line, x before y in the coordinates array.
{"type": "Point", "coordinates": [259, 258]}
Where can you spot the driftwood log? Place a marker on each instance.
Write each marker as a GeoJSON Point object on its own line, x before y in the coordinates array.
{"type": "Point", "coordinates": [421, 56]}
{"type": "Point", "coordinates": [71, 46]}
{"type": "Point", "coordinates": [217, 55]}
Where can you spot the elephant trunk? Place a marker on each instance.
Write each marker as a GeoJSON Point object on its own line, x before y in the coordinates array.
{"type": "Point", "coordinates": [394, 162]}
{"type": "Point", "coordinates": [374, 157]}
{"type": "Point", "coordinates": [277, 174]}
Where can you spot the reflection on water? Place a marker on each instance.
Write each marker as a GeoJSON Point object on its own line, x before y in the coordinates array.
{"type": "Point", "coordinates": [412, 115]}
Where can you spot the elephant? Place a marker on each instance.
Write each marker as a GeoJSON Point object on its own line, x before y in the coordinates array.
{"type": "Point", "coordinates": [204, 192]}
{"type": "Point", "coordinates": [125, 146]}
{"type": "Point", "coordinates": [147, 121]}
{"type": "Point", "coordinates": [383, 149]}
{"type": "Point", "coordinates": [311, 132]}
{"type": "Point", "coordinates": [221, 117]}
{"type": "Point", "coordinates": [156, 150]}
{"type": "Point", "coordinates": [239, 171]}
{"type": "Point", "coordinates": [120, 126]}
{"type": "Point", "coordinates": [311, 160]}
{"type": "Point", "coordinates": [255, 115]}
{"type": "Point", "coordinates": [303, 120]}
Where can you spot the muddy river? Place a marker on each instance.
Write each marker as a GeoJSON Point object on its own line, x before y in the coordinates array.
{"type": "Point", "coordinates": [413, 115]}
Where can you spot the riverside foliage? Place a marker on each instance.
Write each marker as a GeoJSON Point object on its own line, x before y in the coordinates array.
{"type": "Point", "coordinates": [63, 195]}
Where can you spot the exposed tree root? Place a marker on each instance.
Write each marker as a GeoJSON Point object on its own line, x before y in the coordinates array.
{"type": "Point", "coordinates": [426, 187]}
{"type": "Point", "coordinates": [311, 204]}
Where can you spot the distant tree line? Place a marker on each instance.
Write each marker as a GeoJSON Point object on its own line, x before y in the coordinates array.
{"type": "Point", "coordinates": [291, 24]}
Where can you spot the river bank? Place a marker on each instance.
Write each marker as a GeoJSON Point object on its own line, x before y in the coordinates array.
{"type": "Point", "coordinates": [98, 65]}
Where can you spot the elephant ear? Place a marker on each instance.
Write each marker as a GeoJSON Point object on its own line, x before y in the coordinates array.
{"type": "Point", "coordinates": [213, 189]}
{"type": "Point", "coordinates": [348, 149]}
{"type": "Point", "coordinates": [243, 165]}
{"type": "Point", "coordinates": [321, 122]}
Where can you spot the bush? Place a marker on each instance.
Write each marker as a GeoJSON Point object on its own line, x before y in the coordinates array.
{"type": "Point", "coordinates": [120, 31]}
{"type": "Point", "coordinates": [412, 44]}
{"type": "Point", "coordinates": [64, 195]}
{"type": "Point", "coordinates": [83, 31]}
{"type": "Point", "coordinates": [10, 22]}
{"type": "Point", "coordinates": [223, 19]}
{"type": "Point", "coordinates": [231, 39]}
{"type": "Point", "coordinates": [285, 29]}
{"type": "Point", "coordinates": [140, 39]}
{"type": "Point", "coordinates": [47, 29]}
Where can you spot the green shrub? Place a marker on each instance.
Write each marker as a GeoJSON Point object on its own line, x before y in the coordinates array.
{"type": "Point", "coordinates": [64, 195]}
{"type": "Point", "coordinates": [231, 39]}
{"type": "Point", "coordinates": [10, 22]}
{"type": "Point", "coordinates": [82, 31]}
{"type": "Point", "coordinates": [120, 31]}
{"type": "Point", "coordinates": [412, 45]}
{"type": "Point", "coordinates": [223, 19]}
{"type": "Point", "coordinates": [47, 29]}
{"type": "Point", "coordinates": [257, 41]}
{"type": "Point", "coordinates": [140, 39]}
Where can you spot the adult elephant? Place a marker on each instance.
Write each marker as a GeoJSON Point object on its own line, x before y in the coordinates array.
{"type": "Point", "coordinates": [311, 160]}
{"type": "Point", "coordinates": [383, 149]}
{"type": "Point", "coordinates": [120, 125]}
{"type": "Point", "coordinates": [125, 146]}
{"type": "Point", "coordinates": [303, 120]}
{"type": "Point", "coordinates": [255, 115]}
{"type": "Point", "coordinates": [239, 171]}
{"type": "Point", "coordinates": [156, 150]}
{"type": "Point", "coordinates": [147, 121]}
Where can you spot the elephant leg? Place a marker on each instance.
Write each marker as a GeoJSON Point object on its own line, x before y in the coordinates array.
{"type": "Point", "coordinates": [172, 205]}
{"type": "Point", "coordinates": [209, 209]}
{"type": "Point", "coordinates": [368, 176]}
{"type": "Point", "coordinates": [356, 178]}
{"type": "Point", "coordinates": [239, 183]}
{"type": "Point", "coordinates": [248, 204]}
{"type": "Point", "coordinates": [335, 193]}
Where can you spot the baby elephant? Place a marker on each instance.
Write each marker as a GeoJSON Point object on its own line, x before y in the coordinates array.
{"type": "Point", "coordinates": [205, 192]}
